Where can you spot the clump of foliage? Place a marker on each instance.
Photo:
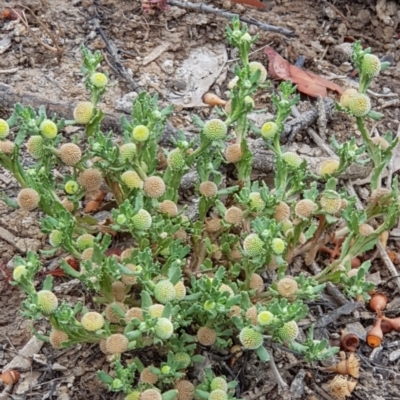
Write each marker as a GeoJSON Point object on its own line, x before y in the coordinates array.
{"type": "Point", "coordinates": [190, 283]}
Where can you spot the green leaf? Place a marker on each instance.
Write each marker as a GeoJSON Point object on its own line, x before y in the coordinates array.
{"type": "Point", "coordinates": [198, 358]}
{"type": "Point", "coordinates": [105, 378]}
{"type": "Point", "coordinates": [48, 283]}
{"type": "Point", "coordinates": [263, 354]}
{"type": "Point", "coordinates": [146, 300]}
{"type": "Point", "coordinates": [202, 394]}
{"type": "Point", "coordinates": [170, 395]}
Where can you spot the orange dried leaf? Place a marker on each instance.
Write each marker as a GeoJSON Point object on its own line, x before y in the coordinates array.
{"type": "Point", "coordinates": [252, 3]}
{"type": "Point", "coordinates": [307, 82]}
{"type": "Point", "coordinates": [92, 206]}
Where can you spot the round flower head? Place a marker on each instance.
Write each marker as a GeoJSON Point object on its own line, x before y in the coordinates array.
{"type": "Point", "coordinates": [176, 160]}
{"type": "Point", "coordinates": [185, 390]}
{"type": "Point", "coordinates": [90, 179]}
{"type": "Point", "coordinates": [253, 245]}
{"type": "Point", "coordinates": [4, 129]}
{"type": "Point", "coordinates": [57, 338]}
{"type": "Point", "coordinates": [133, 395]}
{"type": "Point", "coordinates": [180, 290]}
{"type": "Point", "coordinates": [142, 220]}
{"type": "Point", "coordinates": [233, 82]}
{"type": "Point", "coordinates": [292, 159]}
{"type": "Point", "coordinates": [378, 194]}
{"type": "Point", "coordinates": [154, 187]}
{"type": "Point", "coordinates": [87, 254]}
{"type": "Point", "coordinates": [146, 376]}
{"type": "Point", "coordinates": [213, 225]}
{"type": "Point", "coordinates": [347, 96]}
{"type": "Point", "coordinates": [365, 229]}
{"type": "Point", "coordinates": [248, 101]}
{"type": "Point", "coordinates": [380, 141]}
{"type": "Point", "coordinates": [70, 154]}
{"type": "Point", "coordinates": [305, 208]}
{"type": "Point", "coordinates": [151, 394]}
{"type": "Point", "coordinates": [132, 180]}
{"type": "Point", "coordinates": [28, 199]}
{"type": "Point", "coordinates": [140, 133]}
{"type": "Point", "coordinates": [48, 129]}
{"type": "Point", "coordinates": [85, 241]}
{"type": "Point", "coordinates": [233, 153]}
{"type": "Point", "coordinates": [183, 359]}
{"type": "Point", "coordinates": [99, 80]}
{"type": "Point", "coordinates": [360, 105]}
{"type": "Point", "coordinates": [286, 225]}
{"type": "Point", "coordinates": [256, 202]}
{"type": "Point", "coordinates": [370, 65]}
{"type": "Point", "coordinates": [118, 290]}
{"type": "Point", "coordinates": [110, 313]}
{"type": "Point", "coordinates": [340, 387]}
{"type": "Point", "coordinates": [215, 129]}
{"type": "Point", "coordinates": [245, 38]}
{"type": "Point", "coordinates": [330, 202]}
{"type": "Point", "coordinates": [269, 130]}
{"type": "Point", "coordinates": [18, 272]}
{"type": "Point", "coordinates": [251, 315]}
{"type": "Point", "coordinates": [164, 328]}
{"type": "Point", "coordinates": [71, 187]}
{"type": "Point", "coordinates": [225, 288]}
{"type": "Point", "coordinates": [256, 283]}
{"type": "Point", "coordinates": [282, 212]}
{"type": "Point", "coordinates": [83, 112]}
{"type": "Point", "coordinates": [218, 394]}
{"type": "Point", "coordinates": [264, 318]}
{"type": "Point", "coordinates": [257, 66]}
{"type": "Point", "coordinates": [328, 167]}
{"type": "Point", "coordinates": [233, 215]}
{"type": "Point", "coordinates": [156, 310]}
{"type": "Point", "coordinates": [55, 237]}
{"type": "Point", "coordinates": [208, 189]}
{"type": "Point", "coordinates": [130, 279]}
{"type": "Point", "coordinates": [206, 336]}
{"type": "Point", "coordinates": [117, 344]}
{"type": "Point", "coordinates": [6, 147]}
{"type": "Point", "coordinates": [219, 383]}
{"type": "Point", "coordinates": [164, 291]}
{"type": "Point", "coordinates": [34, 145]}
{"type": "Point", "coordinates": [250, 339]}
{"type": "Point", "coordinates": [287, 287]}
{"type": "Point", "coordinates": [47, 301]}
{"type": "Point", "coordinates": [134, 312]}
{"type": "Point", "coordinates": [126, 152]}
{"type": "Point", "coordinates": [169, 207]}
{"type": "Point", "coordinates": [278, 246]}
{"type": "Point", "coordinates": [289, 331]}
{"type": "Point", "coordinates": [92, 321]}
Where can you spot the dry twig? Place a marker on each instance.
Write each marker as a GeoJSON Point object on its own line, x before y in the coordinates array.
{"type": "Point", "coordinates": [225, 14]}
{"type": "Point", "coordinates": [56, 49]}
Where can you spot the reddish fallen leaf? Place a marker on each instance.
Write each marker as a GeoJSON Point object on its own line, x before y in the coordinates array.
{"type": "Point", "coordinates": [252, 3]}
{"type": "Point", "coordinates": [94, 204]}
{"type": "Point", "coordinates": [113, 251]}
{"type": "Point", "coordinates": [307, 82]}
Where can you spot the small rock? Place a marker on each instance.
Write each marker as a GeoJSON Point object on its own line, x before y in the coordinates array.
{"type": "Point", "coordinates": [125, 103]}
{"type": "Point", "coordinates": [28, 382]}
{"type": "Point", "coordinates": [58, 367]}
{"type": "Point", "coordinates": [168, 67]}
{"type": "Point", "coordinates": [394, 355]}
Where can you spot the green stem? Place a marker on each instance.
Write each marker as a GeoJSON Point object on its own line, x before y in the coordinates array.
{"type": "Point", "coordinates": [376, 174]}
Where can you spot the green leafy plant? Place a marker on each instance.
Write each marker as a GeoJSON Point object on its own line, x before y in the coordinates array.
{"type": "Point", "coordinates": [189, 283]}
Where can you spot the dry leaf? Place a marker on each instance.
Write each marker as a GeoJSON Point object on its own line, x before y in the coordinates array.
{"type": "Point", "coordinates": [307, 82]}
{"type": "Point", "coordinates": [252, 3]}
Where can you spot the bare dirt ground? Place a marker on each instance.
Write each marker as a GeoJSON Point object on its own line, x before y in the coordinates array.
{"type": "Point", "coordinates": [32, 67]}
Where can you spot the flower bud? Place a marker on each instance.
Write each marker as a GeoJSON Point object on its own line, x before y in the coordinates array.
{"type": "Point", "coordinates": [98, 80]}
{"type": "Point", "coordinates": [83, 112]}
{"type": "Point", "coordinates": [360, 105]}
{"type": "Point", "coordinates": [215, 129]}
{"type": "Point", "coordinates": [48, 129]}
{"type": "Point", "coordinates": [140, 133]}
{"type": "Point", "coordinates": [4, 129]}
{"type": "Point", "coordinates": [269, 130]}
{"type": "Point", "coordinates": [370, 65]}
{"type": "Point", "coordinates": [250, 338]}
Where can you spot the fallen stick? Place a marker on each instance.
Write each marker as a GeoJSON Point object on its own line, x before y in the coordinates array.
{"type": "Point", "coordinates": [225, 14]}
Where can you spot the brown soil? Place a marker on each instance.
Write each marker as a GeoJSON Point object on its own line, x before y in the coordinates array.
{"type": "Point", "coordinates": [319, 27]}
